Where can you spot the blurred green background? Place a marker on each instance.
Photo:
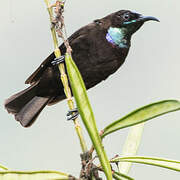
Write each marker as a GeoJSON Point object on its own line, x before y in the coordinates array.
{"type": "Point", "coordinates": [151, 73]}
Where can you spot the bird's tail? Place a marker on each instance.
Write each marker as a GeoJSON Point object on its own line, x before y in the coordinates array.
{"type": "Point", "coordinates": [26, 106]}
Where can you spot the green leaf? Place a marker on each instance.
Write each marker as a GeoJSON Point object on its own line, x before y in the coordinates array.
{"type": "Point", "coordinates": [85, 110]}
{"type": "Point", "coordinates": [143, 114]}
{"type": "Point", "coordinates": [40, 175]}
{"type": "Point", "coordinates": [115, 176]}
{"type": "Point", "coordinates": [164, 163]}
{"type": "Point", "coordinates": [120, 176]}
{"type": "Point", "coordinates": [3, 167]}
{"type": "Point", "coordinates": [131, 146]}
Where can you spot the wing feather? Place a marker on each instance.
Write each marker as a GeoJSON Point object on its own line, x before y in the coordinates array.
{"type": "Point", "coordinates": [47, 62]}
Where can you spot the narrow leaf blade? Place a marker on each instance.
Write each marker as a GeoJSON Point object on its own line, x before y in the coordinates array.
{"type": "Point", "coordinates": [115, 176]}
{"type": "Point", "coordinates": [143, 114]}
{"type": "Point", "coordinates": [32, 175]}
{"type": "Point", "coordinates": [164, 163]}
{"type": "Point", "coordinates": [3, 167]}
{"type": "Point", "coordinates": [121, 176]}
{"type": "Point", "coordinates": [131, 146]}
{"type": "Point", "coordinates": [85, 110]}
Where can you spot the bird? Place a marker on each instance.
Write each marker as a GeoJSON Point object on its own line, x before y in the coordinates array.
{"type": "Point", "coordinates": [98, 50]}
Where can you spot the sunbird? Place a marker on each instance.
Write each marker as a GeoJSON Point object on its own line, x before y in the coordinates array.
{"type": "Point", "coordinates": [98, 50]}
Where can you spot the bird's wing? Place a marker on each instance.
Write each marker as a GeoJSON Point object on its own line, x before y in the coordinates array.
{"type": "Point", "coordinates": [73, 39]}
{"type": "Point", "coordinates": [38, 72]}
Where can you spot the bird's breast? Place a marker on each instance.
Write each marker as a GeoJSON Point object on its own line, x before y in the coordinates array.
{"type": "Point", "coordinates": [97, 58]}
{"type": "Point", "coordinates": [101, 60]}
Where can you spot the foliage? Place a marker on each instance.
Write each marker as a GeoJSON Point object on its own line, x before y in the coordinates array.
{"type": "Point", "coordinates": [90, 170]}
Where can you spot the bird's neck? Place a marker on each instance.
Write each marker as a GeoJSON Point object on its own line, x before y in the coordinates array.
{"type": "Point", "coordinates": [118, 37]}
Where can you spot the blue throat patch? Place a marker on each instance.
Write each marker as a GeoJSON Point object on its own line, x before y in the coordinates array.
{"type": "Point", "coordinates": [116, 36]}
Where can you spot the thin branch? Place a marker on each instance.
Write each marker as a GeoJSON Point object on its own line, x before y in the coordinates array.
{"type": "Point", "coordinates": [64, 78]}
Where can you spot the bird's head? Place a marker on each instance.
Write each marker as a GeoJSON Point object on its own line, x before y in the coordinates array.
{"type": "Point", "coordinates": [129, 20]}
{"type": "Point", "coordinates": [123, 24]}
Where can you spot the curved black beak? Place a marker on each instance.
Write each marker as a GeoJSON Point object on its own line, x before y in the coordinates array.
{"type": "Point", "coordinates": [141, 19]}
{"type": "Point", "coordinates": [147, 18]}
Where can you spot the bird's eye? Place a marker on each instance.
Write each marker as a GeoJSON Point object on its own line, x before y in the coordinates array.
{"type": "Point", "coordinates": [97, 21]}
{"type": "Point", "coordinates": [126, 17]}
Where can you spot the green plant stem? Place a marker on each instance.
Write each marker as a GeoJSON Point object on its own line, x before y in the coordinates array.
{"type": "Point", "coordinates": [64, 80]}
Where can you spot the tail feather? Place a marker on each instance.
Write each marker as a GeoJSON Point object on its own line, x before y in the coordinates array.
{"type": "Point", "coordinates": [16, 102]}
{"type": "Point", "coordinates": [31, 110]}
{"type": "Point", "coordinates": [26, 106]}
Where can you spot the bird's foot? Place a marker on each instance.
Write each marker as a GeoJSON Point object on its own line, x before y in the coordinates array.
{"type": "Point", "coordinates": [72, 114]}
{"type": "Point", "coordinates": [59, 60]}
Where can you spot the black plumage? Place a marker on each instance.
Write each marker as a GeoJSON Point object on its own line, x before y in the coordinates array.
{"type": "Point", "coordinates": [99, 49]}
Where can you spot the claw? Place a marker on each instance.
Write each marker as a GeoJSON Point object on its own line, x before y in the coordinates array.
{"type": "Point", "coordinates": [72, 114]}
{"type": "Point", "coordinates": [59, 60]}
